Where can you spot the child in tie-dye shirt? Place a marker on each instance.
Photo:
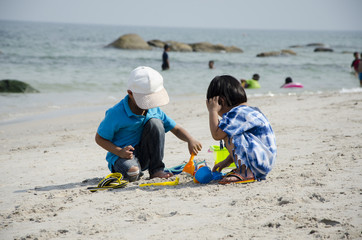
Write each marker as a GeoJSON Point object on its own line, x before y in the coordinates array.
{"type": "Point", "coordinates": [246, 132]}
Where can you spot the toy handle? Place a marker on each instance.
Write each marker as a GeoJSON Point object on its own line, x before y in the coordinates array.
{"type": "Point", "coordinates": [190, 166]}
{"type": "Point", "coordinates": [161, 183]}
{"type": "Point", "coordinates": [192, 157]}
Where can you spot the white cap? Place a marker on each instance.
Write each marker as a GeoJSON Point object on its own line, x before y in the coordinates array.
{"type": "Point", "coordinates": [146, 85]}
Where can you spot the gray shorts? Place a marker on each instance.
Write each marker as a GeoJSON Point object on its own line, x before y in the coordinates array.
{"type": "Point", "coordinates": [148, 154]}
{"type": "Point", "coordinates": [123, 165]}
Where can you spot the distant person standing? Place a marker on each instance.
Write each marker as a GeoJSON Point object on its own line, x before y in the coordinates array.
{"type": "Point", "coordinates": [355, 62]}
{"type": "Point", "coordinates": [252, 83]}
{"type": "Point", "coordinates": [165, 62]}
{"type": "Point", "coordinates": [359, 70]}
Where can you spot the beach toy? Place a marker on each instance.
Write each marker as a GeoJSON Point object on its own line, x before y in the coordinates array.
{"type": "Point", "coordinates": [199, 165]}
{"type": "Point", "coordinates": [204, 175]}
{"type": "Point", "coordinates": [173, 183]}
{"type": "Point", "coordinates": [293, 85]}
{"type": "Point", "coordinates": [220, 154]}
{"type": "Point", "coordinates": [217, 175]}
{"type": "Point", "coordinates": [175, 170]}
{"type": "Point", "coordinates": [190, 166]}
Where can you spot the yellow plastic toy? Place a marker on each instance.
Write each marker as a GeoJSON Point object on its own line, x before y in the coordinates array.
{"type": "Point", "coordinates": [220, 155]}
{"type": "Point", "coordinates": [173, 183]}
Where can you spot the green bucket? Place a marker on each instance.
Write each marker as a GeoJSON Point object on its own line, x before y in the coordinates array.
{"type": "Point", "coordinates": [220, 155]}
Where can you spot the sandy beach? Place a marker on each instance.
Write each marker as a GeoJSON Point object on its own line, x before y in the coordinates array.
{"type": "Point", "coordinates": [313, 192]}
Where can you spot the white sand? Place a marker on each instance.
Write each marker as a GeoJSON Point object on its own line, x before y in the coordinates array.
{"type": "Point", "coordinates": [314, 190]}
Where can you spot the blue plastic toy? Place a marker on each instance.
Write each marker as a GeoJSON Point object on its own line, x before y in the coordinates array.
{"type": "Point", "coordinates": [217, 175]}
{"type": "Point", "coordinates": [204, 175]}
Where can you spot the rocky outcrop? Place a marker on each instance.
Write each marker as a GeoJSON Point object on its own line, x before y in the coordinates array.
{"type": "Point", "coordinates": [134, 41]}
{"type": "Point", "coordinates": [179, 46]}
{"type": "Point", "coordinates": [269, 54]}
{"type": "Point", "coordinates": [194, 47]}
{"type": "Point", "coordinates": [284, 52]}
{"type": "Point", "coordinates": [323, 49]}
{"type": "Point", "coordinates": [206, 47]}
{"type": "Point", "coordinates": [233, 49]}
{"type": "Point", "coordinates": [288, 52]}
{"type": "Point", "coordinates": [315, 45]}
{"type": "Point", "coordinates": [319, 47]}
{"type": "Point", "coordinates": [156, 43]}
{"type": "Point", "coordinates": [130, 41]}
{"type": "Point", "coordinates": [15, 86]}
{"type": "Point", "coordinates": [296, 46]}
{"type": "Point", "coordinates": [209, 47]}
{"type": "Point", "coordinates": [309, 45]}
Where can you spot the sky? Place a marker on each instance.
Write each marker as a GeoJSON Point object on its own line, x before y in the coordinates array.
{"type": "Point", "coordinates": [236, 14]}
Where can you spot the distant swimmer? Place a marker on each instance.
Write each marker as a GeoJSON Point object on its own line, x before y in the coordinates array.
{"type": "Point", "coordinates": [252, 83]}
{"type": "Point", "coordinates": [290, 84]}
{"type": "Point", "coordinates": [211, 64]}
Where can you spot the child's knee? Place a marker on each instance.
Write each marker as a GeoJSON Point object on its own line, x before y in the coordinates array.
{"type": "Point", "coordinates": [133, 173]}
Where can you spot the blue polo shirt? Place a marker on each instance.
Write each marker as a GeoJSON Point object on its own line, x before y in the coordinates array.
{"type": "Point", "coordinates": [122, 127]}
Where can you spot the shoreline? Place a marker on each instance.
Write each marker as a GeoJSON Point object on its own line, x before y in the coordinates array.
{"type": "Point", "coordinates": [312, 192]}
{"type": "Point", "coordinates": [68, 109]}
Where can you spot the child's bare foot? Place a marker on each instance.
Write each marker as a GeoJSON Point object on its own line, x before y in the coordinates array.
{"type": "Point", "coordinates": [161, 174]}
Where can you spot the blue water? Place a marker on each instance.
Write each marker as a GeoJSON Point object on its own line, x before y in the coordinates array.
{"type": "Point", "coordinates": [69, 65]}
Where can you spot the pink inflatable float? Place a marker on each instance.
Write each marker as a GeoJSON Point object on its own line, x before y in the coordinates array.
{"type": "Point", "coordinates": [293, 85]}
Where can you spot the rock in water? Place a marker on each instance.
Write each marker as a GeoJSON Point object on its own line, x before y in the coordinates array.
{"type": "Point", "coordinates": [209, 47]}
{"type": "Point", "coordinates": [269, 54]}
{"type": "Point", "coordinates": [15, 86]}
{"type": "Point", "coordinates": [130, 41]}
{"type": "Point", "coordinates": [323, 49]}
{"type": "Point", "coordinates": [179, 46]}
{"type": "Point", "coordinates": [315, 45]}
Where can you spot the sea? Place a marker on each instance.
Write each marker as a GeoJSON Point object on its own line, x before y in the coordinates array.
{"type": "Point", "coordinates": [74, 71]}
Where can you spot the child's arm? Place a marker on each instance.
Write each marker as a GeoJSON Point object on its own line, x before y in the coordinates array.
{"type": "Point", "coordinates": [126, 152]}
{"type": "Point", "coordinates": [214, 107]}
{"type": "Point", "coordinates": [181, 133]}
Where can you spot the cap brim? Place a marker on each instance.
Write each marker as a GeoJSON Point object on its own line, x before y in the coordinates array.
{"type": "Point", "coordinates": [147, 101]}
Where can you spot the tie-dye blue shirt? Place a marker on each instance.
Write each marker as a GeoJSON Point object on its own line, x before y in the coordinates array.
{"type": "Point", "coordinates": [253, 138]}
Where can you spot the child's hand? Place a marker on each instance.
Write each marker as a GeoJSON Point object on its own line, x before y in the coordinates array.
{"type": "Point", "coordinates": [223, 164]}
{"type": "Point", "coordinates": [194, 147]}
{"type": "Point", "coordinates": [213, 104]}
{"type": "Point", "coordinates": [126, 152]}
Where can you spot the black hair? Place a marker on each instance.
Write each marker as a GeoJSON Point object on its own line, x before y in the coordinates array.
{"type": "Point", "coordinates": [288, 80]}
{"type": "Point", "coordinates": [166, 47]}
{"type": "Point", "coordinates": [228, 88]}
{"type": "Point", "coordinates": [256, 77]}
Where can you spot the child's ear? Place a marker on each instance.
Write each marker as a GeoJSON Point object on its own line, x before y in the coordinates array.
{"type": "Point", "coordinates": [221, 101]}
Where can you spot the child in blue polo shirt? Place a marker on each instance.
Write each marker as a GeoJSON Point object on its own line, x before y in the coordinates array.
{"type": "Point", "coordinates": [245, 130]}
{"type": "Point", "coordinates": [133, 131]}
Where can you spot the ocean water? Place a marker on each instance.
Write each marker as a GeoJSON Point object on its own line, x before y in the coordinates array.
{"type": "Point", "coordinates": [70, 66]}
